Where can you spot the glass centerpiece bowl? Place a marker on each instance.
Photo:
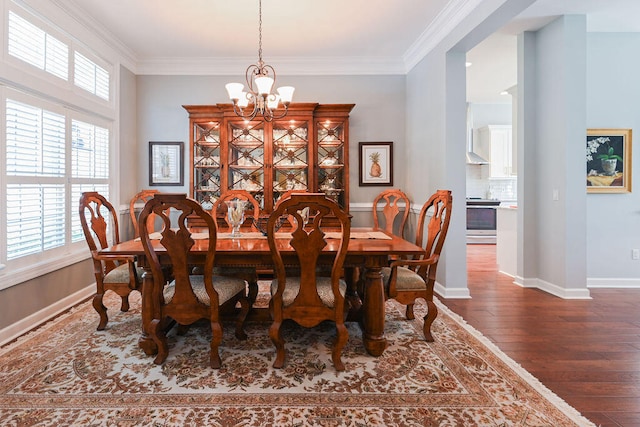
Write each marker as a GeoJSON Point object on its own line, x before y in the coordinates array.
{"type": "Point", "coordinates": [261, 223]}
{"type": "Point", "coordinates": [235, 215]}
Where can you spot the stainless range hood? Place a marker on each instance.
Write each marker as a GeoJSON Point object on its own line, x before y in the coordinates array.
{"type": "Point", "coordinates": [472, 157]}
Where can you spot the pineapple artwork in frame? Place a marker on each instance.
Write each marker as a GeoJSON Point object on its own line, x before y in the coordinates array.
{"type": "Point", "coordinates": [376, 164]}
{"type": "Point", "coordinates": [166, 165]}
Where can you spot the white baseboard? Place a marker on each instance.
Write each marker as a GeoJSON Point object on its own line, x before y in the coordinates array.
{"type": "Point", "coordinates": [25, 325]}
{"type": "Point", "coordinates": [455, 293]}
{"type": "Point", "coordinates": [625, 283]}
{"type": "Point", "coordinates": [564, 293]}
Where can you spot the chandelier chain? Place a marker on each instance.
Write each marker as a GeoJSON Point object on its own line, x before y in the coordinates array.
{"type": "Point", "coordinates": [260, 33]}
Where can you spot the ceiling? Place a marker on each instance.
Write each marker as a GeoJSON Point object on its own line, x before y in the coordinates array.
{"type": "Point", "coordinates": [324, 37]}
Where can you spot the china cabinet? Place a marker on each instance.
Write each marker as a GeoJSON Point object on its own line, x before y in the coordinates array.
{"type": "Point", "coordinates": [307, 150]}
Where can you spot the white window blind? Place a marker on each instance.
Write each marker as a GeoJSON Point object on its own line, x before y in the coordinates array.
{"type": "Point", "coordinates": [35, 218]}
{"type": "Point", "coordinates": [35, 146]}
{"type": "Point", "coordinates": [35, 46]}
{"type": "Point", "coordinates": [90, 150]}
{"type": "Point", "coordinates": [38, 190]}
{"type": "Point", "coordinates": [35, 141]}
{"type": "Point", "coordinates": [90, 76]}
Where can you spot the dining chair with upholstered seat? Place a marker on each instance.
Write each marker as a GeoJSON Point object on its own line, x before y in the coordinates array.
{"type": "Point", "coordinates": [309, 297]}
{"type": "Point", "coordinates": [252, 209]}
{"type": "Point", "coordinates": [184, 297]}
{"type": "Point", "coordinates": [395, 209]}
{"type": "Point", "coordinates": [396, 206]}
{"type": "Point", "coordinates": [142, 197]}
{"type": "Point", "coordinates": [119, 274]}
{"type": "Point", "coordinates": [407, 280]}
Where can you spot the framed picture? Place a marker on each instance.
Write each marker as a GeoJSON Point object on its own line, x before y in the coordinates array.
{"type": "Point", "coordinates": [166, 165]}
{"type": "Point", "coordinates": [376, 163]}
{"type": "Point", "coordinates": [608, 160]}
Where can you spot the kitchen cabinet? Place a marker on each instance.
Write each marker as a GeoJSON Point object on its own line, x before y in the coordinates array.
{"type": "Point", "coordinates": [495, 144]}
{"type": "Point", "coordinates": [307, 150]}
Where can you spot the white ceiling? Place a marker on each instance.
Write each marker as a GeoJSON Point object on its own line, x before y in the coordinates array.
{"type": "Point", "coordinates": [324, 37]}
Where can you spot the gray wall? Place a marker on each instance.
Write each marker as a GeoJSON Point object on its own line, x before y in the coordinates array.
{"type": "Point", "coordinates": [557, 55]}
{"type": "Point", "coordinates": [379, 115]}
{"type": "Point", "coordinates": [130, 160]}
{"type": "Point", "coordinates": [613, 220]}
{"type": "Point", "coordinates": [25, 299]}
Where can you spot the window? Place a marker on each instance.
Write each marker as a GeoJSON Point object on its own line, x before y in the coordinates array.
{"type": "Point", "coordinates": [91, 77]}
{"type": "Point", "coordinates": [51, 158]}
{"type": "Point", "coordinates": [35, 208]}
{"type": "Point", "coordinates": [36, 47]}
{"type": "Point", "coordinates": [55, 142]}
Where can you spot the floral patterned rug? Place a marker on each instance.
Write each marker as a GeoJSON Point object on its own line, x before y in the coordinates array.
{"type": "Point", "coordinates": [66, 373]}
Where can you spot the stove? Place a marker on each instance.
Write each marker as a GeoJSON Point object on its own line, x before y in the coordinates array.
{"type": "Point", "coordinates": [471, 201]}
{"type": "Point", "coordinates": [481, 220]}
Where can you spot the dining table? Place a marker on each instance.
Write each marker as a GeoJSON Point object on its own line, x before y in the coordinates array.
{"type": "Point", "coordinates": [368, 252]}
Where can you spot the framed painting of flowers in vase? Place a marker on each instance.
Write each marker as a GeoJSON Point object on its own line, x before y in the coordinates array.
{"type": "Point", "coordinates": [608, 160]}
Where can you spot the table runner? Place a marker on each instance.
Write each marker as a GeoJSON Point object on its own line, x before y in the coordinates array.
{"type": "Point", "coordinates": [376, 235]}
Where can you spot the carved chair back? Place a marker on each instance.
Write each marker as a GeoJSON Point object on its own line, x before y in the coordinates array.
{"type": "Point", "coordinates": [396, 206]}
{"type": "Point", "coordinates": [142, 197]}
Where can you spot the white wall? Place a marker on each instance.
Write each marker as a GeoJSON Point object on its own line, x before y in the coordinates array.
{"type": "Point", "coordinates": [613, 220]}
{"type": "Point", "coordinates": [491, 114]}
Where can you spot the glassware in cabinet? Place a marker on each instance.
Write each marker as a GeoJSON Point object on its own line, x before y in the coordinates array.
{"type": "Point", "coordinates": [332, 157]}
{"type": "Point", "coordinates": [290, 153]}
{"type": "Point", "coordinates": [246, 158]}
{"type": "Point", "coordinates": [206, 161]}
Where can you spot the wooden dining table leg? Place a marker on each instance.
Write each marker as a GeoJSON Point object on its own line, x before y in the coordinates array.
{"type": "Point", "coordinates": [373, 312]}
{"type": "Point", "coordinates": [145, 342]}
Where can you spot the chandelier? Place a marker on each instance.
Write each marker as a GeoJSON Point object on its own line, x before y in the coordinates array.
{"type": "Point", "coordinates": [260, 78]}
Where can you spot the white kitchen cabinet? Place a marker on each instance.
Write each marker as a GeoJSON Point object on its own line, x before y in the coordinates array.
{"type": "Point", "coordinates": [494, 143]}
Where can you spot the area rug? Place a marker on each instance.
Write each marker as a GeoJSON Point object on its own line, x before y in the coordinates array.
{"type": "Point", "coordinates": [66, 373]}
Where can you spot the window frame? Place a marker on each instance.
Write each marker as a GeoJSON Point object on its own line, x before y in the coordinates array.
{"type": "Point", "coordinates": [27, 267]}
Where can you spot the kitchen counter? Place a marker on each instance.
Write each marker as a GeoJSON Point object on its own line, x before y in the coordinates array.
{"type": "Point", "coordinates": [507, 239]}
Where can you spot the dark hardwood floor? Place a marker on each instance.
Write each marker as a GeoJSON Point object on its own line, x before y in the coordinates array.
{"type": "Point", "coordinates": [585, 351]}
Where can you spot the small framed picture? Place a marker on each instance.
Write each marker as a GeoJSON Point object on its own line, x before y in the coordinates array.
{"type": "Point", "coordinates": [376, 164]}
{"type": "Point", "coordinates": [608, 160]}
{"type": "Point", "coordinates": [166, 165]}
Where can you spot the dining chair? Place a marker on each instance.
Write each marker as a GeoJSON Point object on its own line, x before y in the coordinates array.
{"type": "Point", "coordinates": [407, 280]}
{"type": "Point", "coordinates": [142, 197]}
{"type": "Point", "coordinates": [395, 213]}
{"type": "Point", "coordinates": [184, 297]}
{"type": "Point", "coordinates": [252, 211]}
{"type": "Point", "coordinates": [309, 297]}
{"type": "Point", "coordinates": [119, 274]}
{"type": "Point", "coordinates": [396, 206]}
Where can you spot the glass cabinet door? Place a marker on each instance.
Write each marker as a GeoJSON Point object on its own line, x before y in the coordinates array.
{"type": "Point", "coordinates": [290, 157]}
{"type": "Point", "coordinates": [246, 158]}
{"type": "Point", "coordinates": [206, 162]}
{"type": "Point", "coordinates": [331, 147]}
